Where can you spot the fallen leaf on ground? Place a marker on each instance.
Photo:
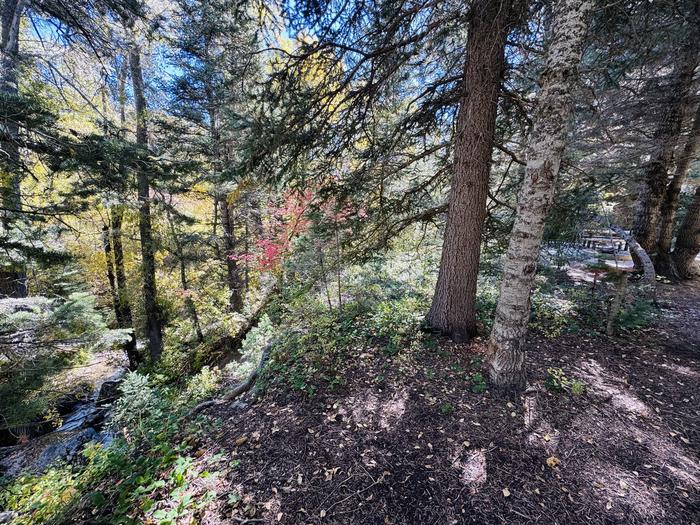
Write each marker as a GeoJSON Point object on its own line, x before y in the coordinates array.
{"type": "Point", "coordinates": [553, 462]}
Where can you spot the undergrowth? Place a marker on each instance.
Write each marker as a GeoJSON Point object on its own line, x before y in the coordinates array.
{"type": "Point", "coordinates": [144, 475]}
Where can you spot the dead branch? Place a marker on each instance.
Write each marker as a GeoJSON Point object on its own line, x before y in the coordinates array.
{"type": "Point", "coordinates": [238, 390]}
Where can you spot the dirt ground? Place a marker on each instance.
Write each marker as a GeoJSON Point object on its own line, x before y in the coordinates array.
{"type": "Point", "coordinates": [406, 441]}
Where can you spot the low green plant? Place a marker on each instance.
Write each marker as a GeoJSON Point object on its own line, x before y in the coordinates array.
{"type": "Point", "coordinates": [640, 313]}
{"type": "Point", "coordinates": [203, 385]}
{"type": "Point", "coordinates": [478, 383]}
{"type": "Point", "coordinates": [447, 408]}
{"type": "Point", "coordinates": [141, 408]}
{"type": "Point", "coordinates": [557, 381]}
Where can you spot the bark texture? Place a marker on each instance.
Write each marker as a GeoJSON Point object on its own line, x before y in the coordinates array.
{"type": "Point", "coordinates": [651, 196]}
{"type": "Point", "coordinates": [234, 278]}
{"type": "Point", "coordinates": [123, 306]}
{"type": "Point", "coordinates": [664, 262]}
{"type": "Point", "coordinates": [182, 263]}
{"type": "Point", "coordinates": [688, 239]}
{"type": "Point", "coordinates": [453, 310]}
{"type": "Point", "coordinates": [616, 304]}
{"type": "Point", "coordinates": [640, 254]}
{"type": "Point", "coordinates": [13, 282]}
{"type": "Point", "coordinates": [552, 118]}
{"type": "Point", "coordinates": [109, 267]}
{"type": "Point", "coordinates": [148, 263]}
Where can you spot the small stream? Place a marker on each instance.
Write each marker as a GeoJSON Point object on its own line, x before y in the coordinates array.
{"type": "Point", "coordinates": [83, 422]}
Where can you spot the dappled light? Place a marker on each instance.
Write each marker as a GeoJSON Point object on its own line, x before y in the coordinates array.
{"type": "Point", "coordinates": [303, 262]}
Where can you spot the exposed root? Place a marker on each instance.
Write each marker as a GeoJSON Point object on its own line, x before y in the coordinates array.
{"type": "Point", "coordinates": [238, 390]}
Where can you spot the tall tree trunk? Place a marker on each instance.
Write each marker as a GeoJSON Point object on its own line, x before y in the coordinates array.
{"type": "Point", "coordinates": [148, 264]}
{"type": "Point", "coordinates": [453, 310]}
{"type": "Point", "coordinates": [123, 310]}
{"type": "Point", "coordinates": [551, 120]}
{"type": "Point", "coordinates": [13, 280]}
{"type": "Point", "coordinates": [125, 319]}
{"type": "Point", "coordinates": [109, 267]}
{"type": "Point", "coordinates": [640, 254]}
{"type": "Point", "coordinates": [688, 239]}
{"type": "Point", "coordinates": [648, 208]}
{"type": "Point", "coordinates": [664, 263]}
{"type": "Point", "coordinates": [189, 303]}
{"type": "Point", "coordinates": [234, 280]}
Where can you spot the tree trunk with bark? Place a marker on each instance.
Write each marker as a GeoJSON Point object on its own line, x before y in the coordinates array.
{"type": "Point", "coordinates": [640, 254]}
{"type": "Point", "coordinates": [123, 308]}
{"type": "Point", "coordinates": [234, 279]}
{"type": "Point", "coordinates": [664, 262]}
{"type": "Point", "coordinates": [453, 310]}
{"type": "Point", "coordinates": [551, 121]}
{"type": "Point", "coordinates": [688, 239]}
{"type": "Point", "coordinates": [651, 196]}
{"type": "Point", "coordinates": [616, 303]}
{"type": "Point", "coordinates": [13, 280]}
{"type": "Point", "coordinates": [109, 267]}
{"type": "Point", "coordinates": [148, 263]}
{"type": "Point", "coordinates": [123, 305]}
{"type": "Point", "coordinates": [189, 303]}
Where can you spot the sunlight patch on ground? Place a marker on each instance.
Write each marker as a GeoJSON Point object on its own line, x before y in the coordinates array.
{"type": "Point", "coordinates": [603, 385]}
{"type": "Point", "coordinates": [473, 469]}
{"type": "Point", "coordinates": [370, 410]}
{"type": "Point", "coordinates": [682, 370]}
{"type": "Point", "coordinates": [544, 436]}
{"type": "Point", "coordinates": [666, 453]}
{"type": "Point", "coordinates": [619, 491]}
{"type": "Point", "coordinates": [660, 452]}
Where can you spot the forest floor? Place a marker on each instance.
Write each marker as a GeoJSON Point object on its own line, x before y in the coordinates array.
{"type": "Point", "coordinates": [406, 441]}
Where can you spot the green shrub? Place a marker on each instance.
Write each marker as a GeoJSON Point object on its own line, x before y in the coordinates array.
{"type": "Point", "coordinates": [557, 381]}
{"type": "Point", "coordinates": [203, 385]}
{"type": "Point", "coordinates": [640, 313]}
{"type": "Point", "coordinates": [140, 410]}
{"type": "Point", "coordinates": [398, 322]}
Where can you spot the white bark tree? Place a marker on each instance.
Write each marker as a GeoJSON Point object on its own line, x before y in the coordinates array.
{"type": "Point", "coordinates": [551, 121]}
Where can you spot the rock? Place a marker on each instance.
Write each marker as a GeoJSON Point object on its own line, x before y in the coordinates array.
{"type": "Point", "coordinates": [109, 391]}
{"type": "Point", "coordinates": [7, 516]}
{"type": "Point", "coordinates": [64, 449]}
{"type": "Point", "coordinates": [37, 455]}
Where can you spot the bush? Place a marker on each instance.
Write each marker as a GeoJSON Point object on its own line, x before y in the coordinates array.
{"type": "Point", "coordinates": [398, 322]}
{"type": "Point", "coordinates": [318, 340]}
{"type": "Point", "coordinates": [640, 313]}
{"type": "Point", "coordinates": [203, 385]}
{"type": "Point", "coordinates": [141, 409]}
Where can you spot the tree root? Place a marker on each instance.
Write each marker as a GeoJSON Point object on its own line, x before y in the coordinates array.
{"type": "Point", "coordinates": [238, 390]}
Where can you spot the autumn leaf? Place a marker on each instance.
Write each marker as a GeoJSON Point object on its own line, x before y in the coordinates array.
{"type": "Point", "coordinates": [553, 462]}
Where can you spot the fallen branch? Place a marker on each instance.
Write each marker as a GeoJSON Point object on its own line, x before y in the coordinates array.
{"type": "Point", "coordinates": [238, 390]}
